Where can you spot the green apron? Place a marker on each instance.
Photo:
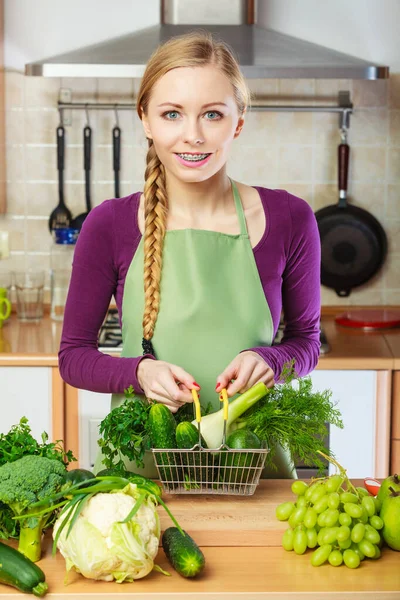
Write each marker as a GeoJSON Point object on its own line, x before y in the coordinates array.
{"type": "Point", "coordinates": [212, 306]}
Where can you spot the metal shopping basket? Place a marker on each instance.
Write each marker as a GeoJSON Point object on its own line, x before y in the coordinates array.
{"type": "Point", "coordinates": [201, 470]}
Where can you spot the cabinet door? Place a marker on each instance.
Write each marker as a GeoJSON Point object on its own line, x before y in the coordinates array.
{"type": "Point", "coordinates": [355, 446]}
{"type": "Point", "coordinates": [27, 392]}
{"type": "Point", "coordinates": [93, 407]}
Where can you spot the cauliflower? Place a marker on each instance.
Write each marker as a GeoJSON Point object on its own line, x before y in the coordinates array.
{"type": "Point", "coordinates": [100, 546]}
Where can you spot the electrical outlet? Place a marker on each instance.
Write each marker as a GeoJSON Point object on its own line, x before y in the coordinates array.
{"type": "Point", "coordinates": [4, 245]}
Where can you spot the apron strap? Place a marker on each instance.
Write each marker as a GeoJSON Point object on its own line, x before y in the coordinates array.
{"type": "Point", "coordinates": [239, 209]}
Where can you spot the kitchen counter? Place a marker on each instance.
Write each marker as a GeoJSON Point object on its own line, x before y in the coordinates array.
{"type": "Point", "coordinates": [240, 538]}
{"type": "Point", "coordinates": [37, 344]}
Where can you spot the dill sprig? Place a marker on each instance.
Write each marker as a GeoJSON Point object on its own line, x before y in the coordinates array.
{"type": "Point", "coordinates": [295, 417]}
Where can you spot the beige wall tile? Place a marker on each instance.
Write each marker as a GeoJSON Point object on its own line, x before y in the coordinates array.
{"type": "Point", "coordinates": [370, 93]}
{"type": "Point", "coordinates": [392, 209]}
{"type": "Point", "coordinates": [328, 89]}
{"type": "Point", "coordinates": [41, 163]}
{"type": "Point", "coordinates": [15, 133]}
{"type": "Point", "coordinates": [41, 92]}
{"type": "Point", "coordinates": [40, 126]}
{"type": "Point", "coordinates": [16, 231]}
{"type": "Point", "coordinates": [73, 163]}
{"type": "Point", "coordinates": [325, 164]}
{"type": "Point", "coordinates": [366, 295]}
{"type": "Point", "coordinates": [367, 164]}
{"type": "Point", "coordinates": [75, 197]}
{"type": "Point", "coordinates": [263, 89]}
{"type": "Point", "coordinates": [14, 89]}
{"type": "Point", "coordinates": [392, 297]}
{"type": "Point", "coordinates": [115, 90]}
{"type": "Point", "coordinates": [106, 121]}
{"type": "Point", "coordinates": [371, 197]}
{"type": "Point", "coordinates": [133, 163]}
{"type": "Point", "coordinates": [74, 132]}
{"type": "Point", "coordinates": [253, 168]}
{"type": "Point", "coordinates": [295, 163]}
{"type": "Point", "coordinates": [394, 165]}
{"type": "Point", "coordinates": [38, 238]}
{"type": "Point", "coordinates": [260, 130]}
{"type": "Point", "coordinates": [392, 271]}
{"type": "Point", "coordinates": [15, 198]}
{"type": "Point", "coordinates": [369, 126]}
{"type": "Point", "coordinates": [393, 233]}
{"type": "Point", "coordinates": [82, 89]}
{"type": "Point", "coordinates": [15, 164]}
{"type": "Point", "coordinates": [294, 128]}
{"type": "Point", "coordinates": [394, 90]}
{"type": "Point", "coordinates": [325, 129]}
{"type": "Point", "coordinates": [394, 127]}
{"type": "Point", "coordinates": [325, 194]}
{"type": "Point", "coordinates": [103, 191]}
{"type": "Point", "coordinates": [41, 198]}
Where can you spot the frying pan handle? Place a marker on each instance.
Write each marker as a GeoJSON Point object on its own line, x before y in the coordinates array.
{"type": "Point", "coordinates": [343, 158]}
{"type": "Point", "coordinates": [87, 146]}
{"type": "Point", "coordinates": [116, 138]}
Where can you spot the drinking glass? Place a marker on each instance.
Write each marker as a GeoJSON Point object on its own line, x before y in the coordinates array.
{"type": "Point", "coordinates": [29, 287]}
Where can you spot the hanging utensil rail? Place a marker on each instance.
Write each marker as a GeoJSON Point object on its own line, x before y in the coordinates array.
{"type": "Point", "coordinates": [344, 108]}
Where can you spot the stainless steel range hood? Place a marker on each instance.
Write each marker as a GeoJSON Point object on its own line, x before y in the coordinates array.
{"type": "Point", "coordinates": [262, 53]}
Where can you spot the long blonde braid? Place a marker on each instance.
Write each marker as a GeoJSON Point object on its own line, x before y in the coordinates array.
{"type": "Point", "coordinates": [155, 216]}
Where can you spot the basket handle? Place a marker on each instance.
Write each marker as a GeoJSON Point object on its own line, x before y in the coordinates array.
{"type": "Point", "coordinates": [197, 405]}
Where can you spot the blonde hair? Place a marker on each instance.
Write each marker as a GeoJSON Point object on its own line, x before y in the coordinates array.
{"type": "Point", "coordinates": [194, 49]}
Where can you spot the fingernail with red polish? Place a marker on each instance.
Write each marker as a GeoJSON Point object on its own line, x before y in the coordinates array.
{"type": "Point", "coordinates": [217, 386]}
{"type": "Point", "coordinates": [196, 384]}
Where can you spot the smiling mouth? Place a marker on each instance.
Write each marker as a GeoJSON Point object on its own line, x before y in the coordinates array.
{"type": "Point", "coordinates": [193, 157]}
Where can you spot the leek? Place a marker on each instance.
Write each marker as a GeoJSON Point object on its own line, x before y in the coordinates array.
{"type": "Point", "coordinates": [212, 425]}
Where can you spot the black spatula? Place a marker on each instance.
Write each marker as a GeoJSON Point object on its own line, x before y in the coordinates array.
{"type": "Point", "coordinates": [61, 216]}
{"type": "Point", "coordinates": [87, 151]}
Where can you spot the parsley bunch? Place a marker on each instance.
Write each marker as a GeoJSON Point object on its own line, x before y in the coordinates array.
{"type": "Point", "coordinates": [124, 432]}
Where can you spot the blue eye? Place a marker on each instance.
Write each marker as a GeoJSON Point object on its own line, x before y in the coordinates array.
{"type": "Point", "coordinates": [217, 115]}
{"type": "Point", "coordinates": [170, 112]}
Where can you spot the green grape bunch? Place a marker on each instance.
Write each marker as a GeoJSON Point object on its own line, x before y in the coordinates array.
{"type": "Point", "coordinates": [335, 519]}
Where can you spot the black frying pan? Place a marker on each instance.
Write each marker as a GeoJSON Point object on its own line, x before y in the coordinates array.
{"type": "Point", "coordinates": [353, 242]}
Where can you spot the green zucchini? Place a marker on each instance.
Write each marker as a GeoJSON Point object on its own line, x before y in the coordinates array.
{"type": "Point", "coordinates": [182, 552]}
{"type": "Point", "coordinates": [162, 428]}
{"type": "Point", "coordinates": [74, 476]}
{"type": "Point", "coordinates": [197, 471]}
{"type": "Point", "coordinates": [20, 572]}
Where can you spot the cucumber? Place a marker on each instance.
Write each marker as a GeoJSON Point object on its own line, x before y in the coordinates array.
{"type": "Point", "coordinates": [241, 439]}
{"type": "Point", "coordinates": [20, 572]}
{"type": "Point", "coordinates": [194, 467]}
{"type": "Point", "coordinates": [162, 428]}
{"type": "Point", "coordinates": [182, 552]}
{"type": "Point", "coordinates": [77, 476]}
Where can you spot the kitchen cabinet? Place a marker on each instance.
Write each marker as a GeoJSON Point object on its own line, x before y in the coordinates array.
{"type": "Point", "coordinates": [33, 392]}
{"type": "Point", "coordinates": [395, 430]}
{"type": "Point", "coordinates": [2, 116]}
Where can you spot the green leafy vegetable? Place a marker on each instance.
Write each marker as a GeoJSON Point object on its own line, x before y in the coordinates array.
{"type": "Point", "coordinates": [294, 416]}
{"type": "Point", "coordinates": [15, 444]}
{"type": "Point", "coordinates": [124, 432]}
{"type": "Point", "coordinates": [23, 483]}
{"type": "Point", "coordinates": [19, 442]}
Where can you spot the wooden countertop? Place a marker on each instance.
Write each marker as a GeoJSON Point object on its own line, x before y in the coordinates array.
{"type": "Point", "coordinates": [37, 344]}
{"type": "Point", "coordinates": [240, 538]}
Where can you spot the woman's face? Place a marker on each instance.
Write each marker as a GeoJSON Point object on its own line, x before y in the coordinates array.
{"type": "Point", "coordinates": [192, 119]}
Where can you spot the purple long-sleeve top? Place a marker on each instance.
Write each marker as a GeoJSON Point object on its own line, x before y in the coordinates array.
{"type": "Point", "coordinates": [288, 262]}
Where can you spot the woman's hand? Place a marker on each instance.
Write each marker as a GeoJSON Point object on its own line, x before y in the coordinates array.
{"type": "Point", "coordinates": [165, 383]}
{"type": "Point", "coordinates": [247, 369]}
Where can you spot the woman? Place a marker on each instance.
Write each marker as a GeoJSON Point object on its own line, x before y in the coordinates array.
{"type": "Point", "coordinates": [200, 266]}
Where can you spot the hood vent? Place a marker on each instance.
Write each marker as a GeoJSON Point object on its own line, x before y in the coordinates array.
{"type": "Point", "coordinates": [262, 53]}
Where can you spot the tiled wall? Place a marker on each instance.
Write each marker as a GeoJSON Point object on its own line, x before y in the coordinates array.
{"type": "Point", "coordinates": [294, 151]}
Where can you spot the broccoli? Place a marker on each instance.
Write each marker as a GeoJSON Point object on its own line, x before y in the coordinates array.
{"type": "Point", "coordinates": [23, 483]}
